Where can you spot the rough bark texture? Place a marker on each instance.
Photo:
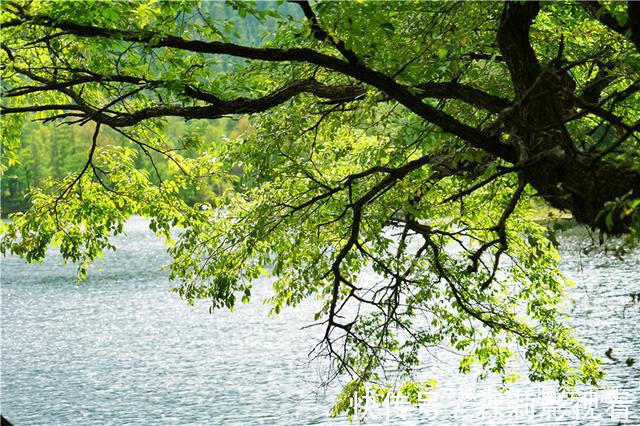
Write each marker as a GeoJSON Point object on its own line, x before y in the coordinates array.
{"type": "Point", "coordinates": [566, 178]}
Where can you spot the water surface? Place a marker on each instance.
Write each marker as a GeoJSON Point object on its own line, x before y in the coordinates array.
{"type": "Point", "coordinates": [121, 349]}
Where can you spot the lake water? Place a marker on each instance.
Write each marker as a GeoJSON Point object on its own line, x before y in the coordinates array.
{"type": "Point", "coordinates": [121, 349]}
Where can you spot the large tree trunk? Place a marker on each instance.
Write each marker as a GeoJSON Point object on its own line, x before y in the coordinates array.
{"type": "Point", "coordinates": [565, 177]}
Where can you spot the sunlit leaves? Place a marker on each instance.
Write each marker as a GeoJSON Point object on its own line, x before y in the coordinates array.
{"type": "Point", "coordinates": [316, 192]}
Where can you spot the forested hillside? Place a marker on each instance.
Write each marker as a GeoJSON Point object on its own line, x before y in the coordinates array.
{"type": "Point", "coordinates": [50, 152]}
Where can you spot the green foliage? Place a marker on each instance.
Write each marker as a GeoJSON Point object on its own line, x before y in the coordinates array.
{"type": "Point", "coordinates": [44, 152]}
{"type": "Point", "coordinates": [357, 204]}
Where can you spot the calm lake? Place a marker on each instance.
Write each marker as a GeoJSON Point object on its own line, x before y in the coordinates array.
{"type": "Point", "coordinates": [121, 349]}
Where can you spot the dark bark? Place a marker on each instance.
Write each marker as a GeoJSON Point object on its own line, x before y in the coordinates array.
{"type": "Point", "coordinates": [465, 93]}
{"type": "Point", "coordinates": [566, 178]}
{"type": "Point", "coordinates": [475, 137]}
{"type": "Point", "coordinates": [633, 8]}
{"type": "Point", "coordinates": [540, 145]}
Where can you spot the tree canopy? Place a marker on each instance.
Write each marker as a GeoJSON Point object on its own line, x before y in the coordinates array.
{"type": "Point", "coordinates": [411, 139]}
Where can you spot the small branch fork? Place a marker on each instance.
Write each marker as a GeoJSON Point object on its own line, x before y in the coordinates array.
{"type": "Point", "coordinates": [388, 299]}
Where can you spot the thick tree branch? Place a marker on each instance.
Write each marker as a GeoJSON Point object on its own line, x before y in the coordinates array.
{"type": "Point", "coordinates": [468, 94]}
{"type": "Point", "coordinates": [320, 34]}
{"type": "Point", "coordinates": [633, 13]}
{"type": "Point", "coordinates": [216, 109]}
{"type": "Point", "coordinates": [309, 85]}
{"type": "Point", "coordinates": [513, 41]}
{"type": "Point", "coordinates": [475, 137]}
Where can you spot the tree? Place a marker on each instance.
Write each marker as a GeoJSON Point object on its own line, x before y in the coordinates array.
{"type": "Point", "coordinates": [409, 138]}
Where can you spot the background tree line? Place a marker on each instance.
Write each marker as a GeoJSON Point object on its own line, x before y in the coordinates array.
{"type": "Point", "coordinates": [50, 152]}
